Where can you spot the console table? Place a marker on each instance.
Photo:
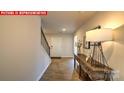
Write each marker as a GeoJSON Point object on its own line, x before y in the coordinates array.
{"type": "Point", "coordinates": [89, 72]}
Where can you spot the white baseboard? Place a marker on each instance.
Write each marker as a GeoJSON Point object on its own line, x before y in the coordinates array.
{"type": "Point", "coordinates": [39, 77]}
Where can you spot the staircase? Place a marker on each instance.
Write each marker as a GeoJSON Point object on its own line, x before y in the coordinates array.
{"type": "Point", "coordinates": [44, 42]}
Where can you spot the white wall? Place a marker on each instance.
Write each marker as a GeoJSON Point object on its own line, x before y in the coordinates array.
{"type": "Point", "coordinates": [117, 51]}
{"type": "Point", "coordinates": [21, 55]}
{"type": "Point", "coordinates": [114, 49]}
{"type": "Point", "coordinates": [66, 48]}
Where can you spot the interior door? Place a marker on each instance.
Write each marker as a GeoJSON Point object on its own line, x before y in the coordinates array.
{"type": "Point", "coordinates": [56, 43]}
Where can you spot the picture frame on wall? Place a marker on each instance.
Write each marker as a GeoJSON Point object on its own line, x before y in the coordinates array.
{"type": "Point", "coordinates": [86, 44]}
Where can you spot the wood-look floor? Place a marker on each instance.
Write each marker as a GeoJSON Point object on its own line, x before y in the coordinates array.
{"type": "Point", "coordinates": [61, 70]}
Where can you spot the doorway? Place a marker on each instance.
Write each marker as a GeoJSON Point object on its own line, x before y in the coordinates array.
{"type": "Point", "coordinates": [56, 49]}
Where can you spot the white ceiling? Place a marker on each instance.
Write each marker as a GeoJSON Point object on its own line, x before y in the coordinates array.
{"type": "Point", "coordinates": [56, 20]}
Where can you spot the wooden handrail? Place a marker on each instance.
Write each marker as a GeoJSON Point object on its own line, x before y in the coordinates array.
{"type": "Point", "coordinates": [44, 42]}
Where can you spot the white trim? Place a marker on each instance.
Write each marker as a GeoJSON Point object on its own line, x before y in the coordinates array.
{"type": "Point", "coordinates": [39, 77]}
{"type": "Point", "coordinates": [46, 66]}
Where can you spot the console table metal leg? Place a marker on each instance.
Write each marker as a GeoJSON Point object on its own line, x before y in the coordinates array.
{"type": "Point", "coordinates": [74, 63]}
{"type": "Point", "coordinates": [80, 71]}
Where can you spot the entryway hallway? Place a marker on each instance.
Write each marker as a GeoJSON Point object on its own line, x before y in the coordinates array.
{"type": "Point", "coordinates": [60, 70]}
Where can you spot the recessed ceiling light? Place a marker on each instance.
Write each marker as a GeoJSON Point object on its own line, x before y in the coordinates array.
{"type": "Point", "coordinates": [64, 29]}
